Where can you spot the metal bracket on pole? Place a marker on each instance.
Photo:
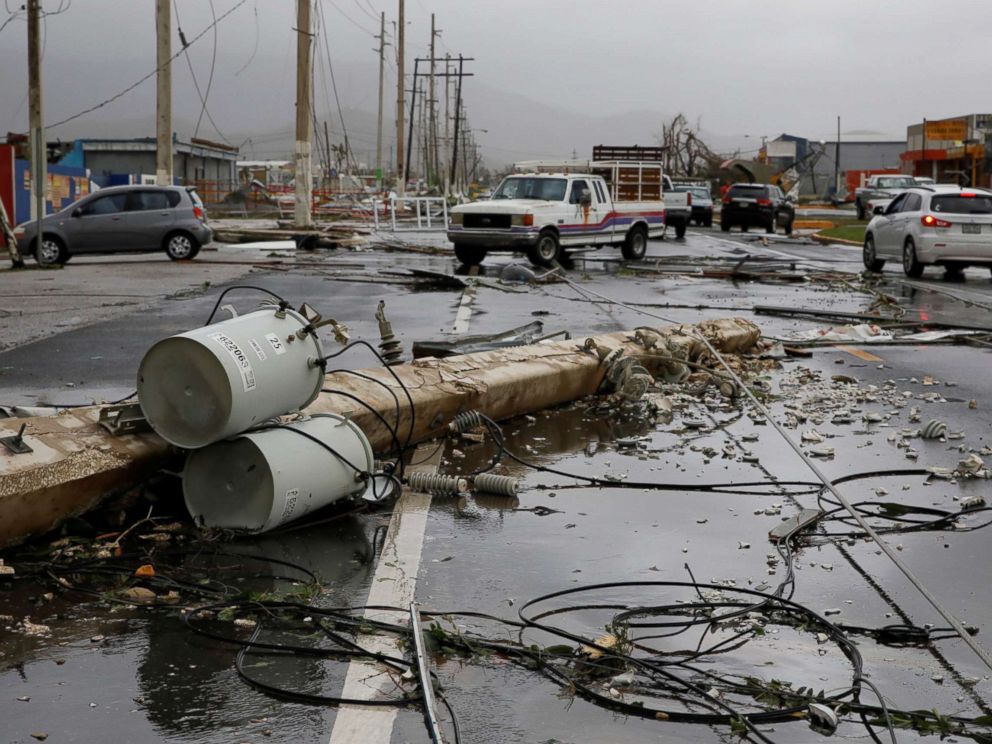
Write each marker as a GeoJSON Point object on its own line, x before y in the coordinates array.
{"type": "Point", "coordinates": [424, 673]}
{"type": "Point", "coordinates": [123, 419]}
{"type": "Point", "coordinates": [15, 442]}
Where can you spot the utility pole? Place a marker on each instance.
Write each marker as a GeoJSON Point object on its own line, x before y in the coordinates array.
{"type": "Point", "coordinates": [447, 117]}
{"type": "Point", "coordinates": [432, 138]}
{"type": "Point", "coordinates": [837, 164]}
{"type": "Point", "coordinates": [163, 93]}
{"type": "Point", "coordinates": [458, 115]}
{"type": "Point", "coordinates": [39, 150]}
{"type": "Point", "coordinates": [329, 151]}
{"type": "Point", "coordinates": [304, 131]}
{"type": "Point", "coordinates": [378, 137]}
{"type": "Point", "coordinates": [401, 166]}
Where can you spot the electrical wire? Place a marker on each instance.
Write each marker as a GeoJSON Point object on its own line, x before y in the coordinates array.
{"type": "Point", "coordinates": [882, 544]}
{"type": "Point", "coordinates": [196, 84]}
{"type": "Point", "coordinates": [151, 74]}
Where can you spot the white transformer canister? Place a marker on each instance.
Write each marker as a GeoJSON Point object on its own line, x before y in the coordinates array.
{"type": "Point", "coordinates": [201, 386]}
{"type": "Point", "coordinates": [266, 478]}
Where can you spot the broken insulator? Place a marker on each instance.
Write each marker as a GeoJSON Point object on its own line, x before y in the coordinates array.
{"type": "Point", "coordinates": [388, 344]}
{"type": "Point", "coordinates": [465, 421]}
{"type": "Point", "coordinates": [437, 484]}
{"type": "Point", "coordinates": [501, 485]}
{"type": "Point", "coordinates": [934, 429]}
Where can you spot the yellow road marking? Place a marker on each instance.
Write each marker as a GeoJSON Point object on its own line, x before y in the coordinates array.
{"type": "Point", "coordinates": [860, 353]}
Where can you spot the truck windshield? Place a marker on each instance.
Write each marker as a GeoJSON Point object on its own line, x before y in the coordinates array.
{"type": "Point", "coordinates": [550, 189]}
{"type": "Point", "coordinates": [902, 182]}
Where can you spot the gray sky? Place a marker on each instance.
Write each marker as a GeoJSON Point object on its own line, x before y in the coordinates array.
{"type": "Point", "coordinates": [604, 70]}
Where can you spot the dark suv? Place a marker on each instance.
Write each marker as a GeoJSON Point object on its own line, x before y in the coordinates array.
{"type": "Point", "coordinates": [757, 205]}
{"type": "Point", "coordinates": [121, 219]}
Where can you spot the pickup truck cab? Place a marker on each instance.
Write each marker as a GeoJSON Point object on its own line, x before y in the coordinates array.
{"type": "Point", "coordinates": [880, 189]}
{"type": "Point", "coordinates": [546, 209]}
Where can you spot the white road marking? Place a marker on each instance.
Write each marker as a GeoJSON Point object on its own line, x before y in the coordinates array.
{"type": "Point", "coordinates": [393, 585]}
{"type": "Point", "coordinates": [464, 314]}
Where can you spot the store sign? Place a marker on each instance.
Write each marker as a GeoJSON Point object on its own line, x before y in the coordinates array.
{"type": "Point", "coordinates": [953, 130]}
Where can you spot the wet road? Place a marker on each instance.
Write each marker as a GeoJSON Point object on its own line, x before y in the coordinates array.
{"type": "Point", "coordinates": [159, 682]}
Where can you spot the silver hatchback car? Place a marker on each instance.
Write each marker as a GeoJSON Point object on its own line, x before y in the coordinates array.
{"type": "Point", "coordinates": [948, 226]}
{"type": "Point", "coordinates": [121, 219]}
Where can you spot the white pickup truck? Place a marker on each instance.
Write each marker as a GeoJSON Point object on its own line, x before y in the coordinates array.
{"type": "Point", "coordinates": [549, 207]}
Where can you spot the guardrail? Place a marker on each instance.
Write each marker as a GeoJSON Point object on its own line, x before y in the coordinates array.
{"type": "Point", "coordinates": [429, 213]}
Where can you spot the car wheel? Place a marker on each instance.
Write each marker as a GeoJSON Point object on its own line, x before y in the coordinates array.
{"type": "Point", "coordinates": [788, 227]}
{"type": "Point", "coordinates": [636, 244]}
{"type": "Point", "coordinates": [744, 227]}
{"type": "Point", "coordinates": [545, 251]}
{"type": "Point", "coordinates": [181, 246]}
{"type": "Point", "coordinates": [911, 265]}
{"type": "Point", "coordinates": [52, 252]}
{"type": "Point", "coordinates": [469, 255]}
{"type": "Point", "coordinates": [724, 226]}
{"type": "Point", "coordinates": [869, 257]}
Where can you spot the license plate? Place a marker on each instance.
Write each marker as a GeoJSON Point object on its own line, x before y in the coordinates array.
{"type": "Point", "coordinates": [971, 229]}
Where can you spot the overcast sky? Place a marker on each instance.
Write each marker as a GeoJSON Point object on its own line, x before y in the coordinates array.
{"type": "Point", "coordinates": [741, 67]}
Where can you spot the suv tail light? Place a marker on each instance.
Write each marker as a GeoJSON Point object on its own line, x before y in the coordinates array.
{"type": "Point", "coordinates": [726, 199]}
{"type": "Point", "coordinates": [764, 202]}
{"type": "Point", "coordinates": [198, 213]}
{"type": "Point", "coordinates": [928, 220]}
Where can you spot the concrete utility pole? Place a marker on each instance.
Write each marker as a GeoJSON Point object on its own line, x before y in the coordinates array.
{"type": "Point", "coordinates": [304, 130]}
{"type": "Point", "coordinates": [400, 100]}
{"type": "Point", "coordinates": [39, 150]}
{"type": "Point", "coordinates": [378, 137]}
{"type": "Point", "coordinates": [163, 93]}
{"type": "Point", "coordinates": [447, 118]}
{"type": "Point", "coordinates": [837, 163]}
{"type": "Point", "coordinates": [432, 137]}
{"type": "Point", "coordinates": [458, 116]}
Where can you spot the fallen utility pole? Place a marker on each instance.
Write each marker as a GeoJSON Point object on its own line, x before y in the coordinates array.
{"type": "Point", "coordinates": [75, 462]}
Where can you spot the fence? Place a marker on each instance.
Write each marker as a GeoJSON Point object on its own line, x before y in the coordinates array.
{"type": "Point", "coordinates": [400, 219]}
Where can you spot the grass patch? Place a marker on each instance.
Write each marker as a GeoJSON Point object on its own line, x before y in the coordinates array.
{"type": "Point", "coordinates": [855, 232]}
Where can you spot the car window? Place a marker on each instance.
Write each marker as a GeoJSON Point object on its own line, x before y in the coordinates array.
{"type": "Point", "coordinates": [896, 204]}
{"type": "Point", "coordinates": [748, 192]}
{"type": "Point", "coordinates": [197, 202]}
{"type": "Point", "coordinates": [954, 204]}
{"type": "Point", "coordinates": [599, 191]}
{"type": "Point", "coordinates": [577, 188]}
{"type": "Point", "coordinates": [105, 205]}
{"type": "Point", "coordinates": [912, 204]}
{"type": "Point", "coordinates": [148, 200]}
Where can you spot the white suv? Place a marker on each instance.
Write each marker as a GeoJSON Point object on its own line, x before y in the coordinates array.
{"type": "Point", "coordinates": [944, 225]}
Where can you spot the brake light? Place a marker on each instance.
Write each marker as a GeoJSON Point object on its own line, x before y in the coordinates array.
{"type": "Point", "coordinates": [928, 220]}
{"type": "Point", "coordinates": [688, 199]}
{"type": "Point", "coordinates": [764, 202]}
{"type": "Point", "coordinates": [528, 220]}
{"type": "Point", "coordinates": [198, 213]}
{"type": "Point", "coordinates": [726, 200]}
{"type": "Point", "coordinates": [967, 195]}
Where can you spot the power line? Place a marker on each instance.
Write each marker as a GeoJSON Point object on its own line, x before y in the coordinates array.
{"type": "Point", "coordinates": [254, 49]}
{"type": "Point", "coordinates": [351, 20]}
{"type": "Point", "coordinates": [196, 84]}
{"type": "Point", "coordinates": [330, 65]}
{"type": "Point", "coordinates": [151, 74]}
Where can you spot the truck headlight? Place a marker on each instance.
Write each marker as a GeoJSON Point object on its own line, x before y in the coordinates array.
{"type": "Point", "coordinates": [457, 218]}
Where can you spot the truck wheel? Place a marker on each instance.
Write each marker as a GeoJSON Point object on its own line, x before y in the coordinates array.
{"type": "Point", "coordinates": [470, 255]}
{"type": "Point", "coordinates": [708, 221]}
{"type": "Point", "coordinates": [680, 228]}
{"type": "Point", "coordinates": [788, 227]}
{"type": "Point", "coordinates": [546, 250]}
{"type": "Point", "coordinates": [636, 244]}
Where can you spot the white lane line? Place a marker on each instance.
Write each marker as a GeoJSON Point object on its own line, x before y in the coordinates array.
{"type": "Point", "coordinates": [393, 585]}
{"type": "Point", "coordinates": [464, 314]}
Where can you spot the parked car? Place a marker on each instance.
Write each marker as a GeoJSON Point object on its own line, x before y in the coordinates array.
{"type": "Point", "coordinates": [702, 203]}
{"type": "Point", "coordinates": [758, 205]}
{"type": "Point", "coordinates": [121, 219]}
{"type": "Point", "coordinates": [948, 226]}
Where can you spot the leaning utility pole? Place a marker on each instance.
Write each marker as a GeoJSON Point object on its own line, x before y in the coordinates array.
{"type": "Point", "coordinates": [304, 131]}
{"type": "Point", "coordinates": [378, 137]}
{"type": "Point", "coordinates": [458, 116]}
{"type": "Point", "coordinates": [401, 166]}
{"type": "Point", "coordinates": [163, 93]}
{"type": "Point", "coordinates": [39, 150]}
